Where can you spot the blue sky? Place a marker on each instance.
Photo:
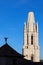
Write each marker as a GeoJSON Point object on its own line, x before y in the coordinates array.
{"type": "Point", "coordinates": [13, 14]}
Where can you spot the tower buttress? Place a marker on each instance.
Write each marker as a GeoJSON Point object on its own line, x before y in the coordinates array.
{"type": "Point", "coordinates": [25, 34]}
{"type": "Point", "coordinates": [25, 39]}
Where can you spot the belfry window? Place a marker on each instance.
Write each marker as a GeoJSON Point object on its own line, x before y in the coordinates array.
{"type": "Point", "coordinates": [32, 40]}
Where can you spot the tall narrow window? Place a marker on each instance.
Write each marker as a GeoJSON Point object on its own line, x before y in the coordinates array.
{"type": "Point", "coordinates": [27, 39]}
{"type": "Point", "coordinates": [32, 40]}
{"type": "Point", "coordinates": [32, 57]}
{"type": "Point", "coordinates": [36, 28]}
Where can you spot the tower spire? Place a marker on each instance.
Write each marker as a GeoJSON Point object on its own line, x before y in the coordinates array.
{"type": "Point", "coordinates": [31, 21]}
{"type": "Point", "coordinates": [30, 17]}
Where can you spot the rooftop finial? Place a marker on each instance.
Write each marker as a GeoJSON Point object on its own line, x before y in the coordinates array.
{"type": "Point", "coordinates": [5, 39]}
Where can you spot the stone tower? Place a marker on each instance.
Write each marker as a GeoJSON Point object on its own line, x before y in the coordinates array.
{"type": "Point", "coordinates": [31, 49]}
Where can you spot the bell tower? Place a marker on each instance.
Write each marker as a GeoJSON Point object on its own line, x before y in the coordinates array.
{"type": "Point", "coordinates": [31, 49]}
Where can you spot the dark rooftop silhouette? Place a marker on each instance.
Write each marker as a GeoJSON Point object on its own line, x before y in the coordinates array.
{"type": "Point", "coordinates": [8, 56]}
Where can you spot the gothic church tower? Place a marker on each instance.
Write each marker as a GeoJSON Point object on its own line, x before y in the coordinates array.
{"type": "Point", "coordinates": [31, 49]}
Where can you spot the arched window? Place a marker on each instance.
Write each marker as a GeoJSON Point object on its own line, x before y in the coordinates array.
{"type": "Point", "coordinates": [31, 39]}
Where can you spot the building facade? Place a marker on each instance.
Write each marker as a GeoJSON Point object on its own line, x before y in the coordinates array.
{"type": "Point", "coordinates": [31, 49]}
